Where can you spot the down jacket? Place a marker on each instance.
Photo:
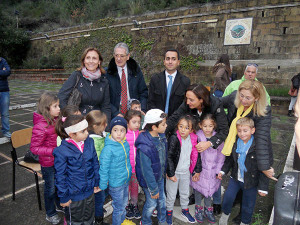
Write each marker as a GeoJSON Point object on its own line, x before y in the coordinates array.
{"type": "Point", "coordinates": [76, 172]}
{"type": "Point", "coordinates": [211, 163]}
{"type": "Point", "coordinates": [43, 140]}
{"type": "Point", "coordinates": [174, 151]}
{"type": "Point", "coordinates": [262, 133]}
{"type": "Point", "coordinates": [131, 137]}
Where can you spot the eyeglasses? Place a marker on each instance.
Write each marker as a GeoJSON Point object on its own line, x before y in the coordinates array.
{"type": "Point", "coordinates": [252, 64]}
{"type": "Point", "coordinates": [120, 56]}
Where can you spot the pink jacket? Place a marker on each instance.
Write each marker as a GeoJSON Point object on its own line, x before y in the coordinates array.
{"type": "Point", "coordinates": [131, 137]}
{"type": "Point", "coordinates": [212, 161]}
{"type": "Point", "coordinates": [43, 140]}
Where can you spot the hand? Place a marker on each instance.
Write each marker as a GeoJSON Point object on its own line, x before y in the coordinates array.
{"type": "Point", "coordinates": [121, 115]}
{"type": "Point", "coordinates": [97, 189]}
{"type": "Point", "coordinates": [220, 175]}
{"type": "Point", "coordinates": [262, 194]}
{"type": "Point", "coordinates": [269, 173]}
{"type": "Point", "coordinates": [67, 204]}
{"type": "Point", "coordinates": [174, 178]}
{"type": "Point", "coordinates": [196, 177]}
{"type": "Point", "coordinates": [143, 113]}
{"type": "Point", "coordinates": [202, 146]}
{"type": "Point", "coordinates": [155, 196]}
{"type": "Point", "coordinates": [4, 68]}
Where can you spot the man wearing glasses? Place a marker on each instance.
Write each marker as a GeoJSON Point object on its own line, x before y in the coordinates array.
{"type": "Point", "coordinates": [126, 81]}
{"type": "Point", "coordinates": [249, 74]}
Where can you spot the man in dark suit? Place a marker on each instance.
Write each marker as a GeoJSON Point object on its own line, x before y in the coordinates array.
{"type": "Point", "coordinates": [167, 89]}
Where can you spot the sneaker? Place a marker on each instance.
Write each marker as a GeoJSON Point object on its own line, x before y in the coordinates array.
{"type": "Point", "coordinates": [129, 212]}
{"type": "Point", "coordinates": [209, 214]}
{"type": "Point", "coordinates": [127, 222]}
{"type": "Point", "coordinates": [136, 212]}
{"type": "Point", "coordinates": [99, 221]}
{"type": "Point", "coordinates": [188, 217]}
{"type": "Point", "coordinates": [154, 213]}
{"type": "Point", "coordinates": [7, 134]}
{"type": "Point", "coordinates": [199, 213]}
{"type": "Point", "coordinates": [53, 219]}
{"type": "Point", "coordinates": [60, 209]}
{"type": "Point", "coordinates": [169, 217]}
{"type": "Point", "coordinates": [217, 209]}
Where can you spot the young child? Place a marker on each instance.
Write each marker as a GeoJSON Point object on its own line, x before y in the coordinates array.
{"type": "Point", "coordinates": [135, 104]}
{"type": "Point", "coordinates": [76, 170]}
{"type": "Point", "coordinates": [133, 118]}
{"type": "Point", "coordinates": [181, 162]}
{"type": "Point", "coordinates": [115, 169]}
{"type": "Point", "coordinates": [244, 175]}
{"type": "Point", "coordinates": [43, 141]}
{"type": "Point", "coordinates": [97, 123]}
{"type": "Point", "coordinates": [211, 163]}
{"type": "Point", "coordinates": [151, 164]}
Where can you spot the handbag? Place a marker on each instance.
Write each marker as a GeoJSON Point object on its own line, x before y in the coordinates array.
{"type": "Point", "coordinates": [30, 157]}
{"type": "Point", "coordinates": [293, 92]}
{"type": "Point", "coordinates": [75, 96]}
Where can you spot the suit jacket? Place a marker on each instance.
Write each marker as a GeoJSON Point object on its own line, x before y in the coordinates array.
{"type": "Point", "coordinates": [158, 92]}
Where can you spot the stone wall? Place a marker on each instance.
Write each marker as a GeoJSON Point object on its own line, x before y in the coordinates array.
{"type": "Point", "coordinates": [199, 31]}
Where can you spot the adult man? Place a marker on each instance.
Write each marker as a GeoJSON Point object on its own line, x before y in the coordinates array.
{"type": "Point", "coordinates": [167, 89]}
{"type": "Point", "coordinates": [4, 97]}
{"type": "Point", "coordinates": [126, 81]}
{"type": "Point", "coordinates": [250, 73]}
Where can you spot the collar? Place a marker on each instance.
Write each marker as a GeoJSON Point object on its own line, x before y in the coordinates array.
{"type": "Point", "coordinates": [173, 74]}
{"type": "Point", "coordinates": [120, 69]}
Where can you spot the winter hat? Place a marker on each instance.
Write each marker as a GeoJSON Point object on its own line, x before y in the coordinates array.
{"type": "Point", "coordinates": [118, 120]}
{"type": "Point", "coordinates": [152, 116]}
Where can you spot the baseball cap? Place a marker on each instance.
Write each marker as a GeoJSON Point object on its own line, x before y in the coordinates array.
{"type": "Point", "coordinates": [152, 116]}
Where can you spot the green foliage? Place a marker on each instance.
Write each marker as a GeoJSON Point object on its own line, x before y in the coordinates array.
{"type": "Point", "coordinates": [190, 63]}
{"type": "Point", "coordinates": [145, 45]}
{"type": "Point", "coordinates": [280, 91]}
{"type": "Point", "coordinates": [46, 62]}
{"type": "Point", "coordinates": [258, 219]}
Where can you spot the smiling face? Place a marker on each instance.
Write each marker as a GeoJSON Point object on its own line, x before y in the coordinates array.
{"type": "Point", "coordinates": [135, 123]}
{"type": "Point", "coordinates": [184, 128]}
{"type": "Point", "coordinates": [121, 57]}
{"type": "Point", "coordinates": [54, 109]}
{"type": "Point", "coordinates": [244, 132]}
{"type": "Point", "coordinates": [171, 61]}
{"type": "Point", "coordinates": [192, 101]}
{"type": "Point", "coordinates": [92, 61]}
{"type": "Point", "coordinates": [118, 133]}
{"type": "Point", "coordinates": [246, 98]}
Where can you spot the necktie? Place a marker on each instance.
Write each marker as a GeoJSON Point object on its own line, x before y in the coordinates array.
{"type": "Point", "coordinates": [168, 94]}
{"type": "Point", "coordinates": [123, 93]}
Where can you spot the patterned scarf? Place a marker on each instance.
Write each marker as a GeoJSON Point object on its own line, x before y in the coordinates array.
{"type": "Point", "coordinates": [242, 149]}
{"type": "Point", "coordinates": [91, 75]}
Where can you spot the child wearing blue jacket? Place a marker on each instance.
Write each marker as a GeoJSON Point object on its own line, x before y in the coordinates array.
{"type": "Point", "coordinates": [115, 169]}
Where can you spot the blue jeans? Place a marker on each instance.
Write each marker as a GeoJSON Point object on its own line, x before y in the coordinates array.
{"type": "Point", "coordinates": [217, 199]}
{"type": "Point", "coordinates": [4, 109]}
{"type": "Point", "coordinates": [119, 196]}
{"type": "Point", "coordinates": [50, 194]}
{"type": "Point", "coordinates": [151, 204]}
{"type": "Point", "coordinates": [99, 201]}
{"type": "Point", "coordinates": [248, 201]}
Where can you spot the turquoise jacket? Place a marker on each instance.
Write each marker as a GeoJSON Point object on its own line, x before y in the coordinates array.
{"type": "Point", "coordinates": [115, 168]}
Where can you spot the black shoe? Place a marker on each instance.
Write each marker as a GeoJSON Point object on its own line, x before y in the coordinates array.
{"type": "Point", "coordinates": [237, 219]}
{"type": "Point", "coordinates": [99, 221]}
{"type": "Point", "coordinates": [290, 113]}
{"type": "Point", "coordinates": [217, 209]}
{"type": "Point", "coordinates": [192, 199]}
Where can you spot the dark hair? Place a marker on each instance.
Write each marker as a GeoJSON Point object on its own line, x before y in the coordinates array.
{"type": "Point", "coordinates": [172, 50]}
{"type": "Point", "coordinates": [85, 52]}
{"type": "Point", "coordinates": [132, 113]}
{"type": "Point", "coordinates": [95, 117]}
{"type": "Point", "coordinates": [148, 126]}
{"type": "Point", "coordinates": [224, 59]}
{"type": "Point", "coordinates": [43, 106]}
{"type": "Point", "coordinates": [189, 118]}
{"type": "Point", "coordinates": [70, 120]}
{"type": "Point", "coordinates": [135, 102]}
{"type": "Point", "coordinates": [201, 92]}
{"type": "Point", "coordinates": [208, 116]}
{"type": "Point", "coordinates": [69, 110]}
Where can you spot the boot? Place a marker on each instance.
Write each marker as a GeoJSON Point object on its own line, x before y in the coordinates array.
{"type": "Point", "coordinates": [199, 213]}
{"type": "Point", "coordinates": [224, 219]}
{"type": "Point", "coordinates": [99, 221]}
{"type": "Point", "coordinates": [217, 209]}
{"type": "Point", "coordinates": [209, 214]}
{"type": "Point", "coordinates": [290, 113]}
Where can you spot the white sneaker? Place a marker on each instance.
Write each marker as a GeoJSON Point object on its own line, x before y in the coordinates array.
{"type": "Point", "coordinates": [53, 219]}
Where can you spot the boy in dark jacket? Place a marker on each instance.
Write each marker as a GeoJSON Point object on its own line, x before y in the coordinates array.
{"type": "Point", "coordinates": [151, 165]}
{"type": "Point", "coordinates": [244, 175]}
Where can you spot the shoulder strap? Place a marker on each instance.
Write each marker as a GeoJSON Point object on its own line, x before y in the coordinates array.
{"type": "Point", "coordinates": [77, 79]}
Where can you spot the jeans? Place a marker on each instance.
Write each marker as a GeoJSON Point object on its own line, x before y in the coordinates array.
{"type": "Point", "coordinates": [217, 198]}
{"type": "Point", "coordinates": [50, 194]}
{"type": "Point", "coordinates": [248, 202]}
{"type": "Point", "coordinates": [4, 109]}
{"type": "Point", "coordinates": [119, 196]}
{"type": "Point", "coordinates": [99, 202]}
{"type": "Point", "coordinates": [151, 204]}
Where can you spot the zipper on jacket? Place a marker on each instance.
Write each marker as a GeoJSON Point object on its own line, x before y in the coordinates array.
{"type": "Point", "coordinates": [125, 159]}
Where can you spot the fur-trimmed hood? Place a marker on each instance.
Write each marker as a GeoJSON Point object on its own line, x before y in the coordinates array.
{"type": "Point", "coordinates": [131, 64]}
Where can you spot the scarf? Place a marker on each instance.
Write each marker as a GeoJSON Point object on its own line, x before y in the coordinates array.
{"type": "Point", "coordinates": [91, 75]}
{"type": "Point", "coordinates": [230, 140]}
{"type": "Point", "coordinates": [242, 149]}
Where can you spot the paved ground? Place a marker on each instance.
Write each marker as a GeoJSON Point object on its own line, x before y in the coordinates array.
{"type": "Point", "coordinates": [24, 95]}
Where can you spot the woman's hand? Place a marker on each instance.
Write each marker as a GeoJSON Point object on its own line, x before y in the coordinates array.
{"type": "Point", "coordinates": [220, 175]}
{"type": "Point", "coordinates": [97, 189]}
{"type": "Point", "coordinates": [196, 177]}
{"type": "Point", "coordinates": [203, 145]}
{"type": "Point", "coordinates": [262, 194]}
{"type": "Point", "coordinates": [67, 204]}
{"type": "Point", "coordinates": [269, 173]}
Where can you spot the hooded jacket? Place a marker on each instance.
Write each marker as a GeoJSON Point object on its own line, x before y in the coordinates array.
{"type": "Point", "coordinates": [43, 140]}
{"type": "Point", "coordinates": [131, 137]}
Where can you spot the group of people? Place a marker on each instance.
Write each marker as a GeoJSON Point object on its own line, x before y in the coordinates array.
{"type": "Point", "coordinates": [172, 137]}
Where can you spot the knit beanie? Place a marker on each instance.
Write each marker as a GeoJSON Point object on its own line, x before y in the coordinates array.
{"type": "Point", "coordinates": [118, 120]}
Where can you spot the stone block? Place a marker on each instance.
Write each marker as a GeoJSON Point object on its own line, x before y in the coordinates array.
{"type": "Point", "coordinates": [293, 18]}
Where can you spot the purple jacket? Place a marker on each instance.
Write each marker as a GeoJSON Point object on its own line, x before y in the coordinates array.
{"type": "Point", "coordinates": [43, 140]}
{"type": "Point", "coordinates": [212, 161]}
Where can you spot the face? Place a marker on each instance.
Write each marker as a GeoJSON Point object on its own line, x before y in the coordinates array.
{"type": "Point", "coordinates": [135, 123]}
{"type": "Point", "coordinates": [121, 57]}
{"type": "Point", "coordinates": [92, 61]}
{"type": "Point", "coordinates": [171, 61]}
{"type": "Point", "coordinates": [250, 73]}
{"type": "Point", "coordinates": [244, 132]}
{"type": "Point", "coordinates": [184, 128]}
{"type": "Point", "coordinates": [192, 101]}
{"type": "Point", "coordinates": [118, 133]}
{"type": "Point", "coordinates": [54, 109]}
{"type": "Point", "coordinates": [162, 126]}
{"type": "Point", "coordinates": [80, 135]}
{"type": "Point", "coordinates": [207, 126]}
{"type": "Point", "coordinates": [98, 129]}
{"type": "Point", "coordinates": [136, 107]}
{"type": "Point", "coordinates": [246, 98]}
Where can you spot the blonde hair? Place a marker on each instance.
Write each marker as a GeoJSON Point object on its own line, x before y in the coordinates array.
{"type": "Point", "coordinates": [259, 93]}
{"type": "Point", "coordinates": [44, 103]}
{"type": "Point", "coordinates": [95, 117]}
{"type": "Point", "coordinates": [245, 121]}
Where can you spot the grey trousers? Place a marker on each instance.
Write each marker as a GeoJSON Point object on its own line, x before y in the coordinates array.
{"type": "Point", "coordinates": [199, 197]}
{"type": "Point", "coordinates": [183, 183]}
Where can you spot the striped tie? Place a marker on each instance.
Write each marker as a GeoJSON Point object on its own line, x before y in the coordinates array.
{"type": "Point", "coordinates": [123, 93]}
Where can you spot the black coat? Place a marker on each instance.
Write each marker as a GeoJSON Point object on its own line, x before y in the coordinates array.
{"type": "Point", "coordinates": [253, 177]}
{"type": "Point", "coordinates": [216, 108]}
{"type": "Point", "coordinates": [158, 92]}
{"type": "Point", "coordinates": [262, 133]}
